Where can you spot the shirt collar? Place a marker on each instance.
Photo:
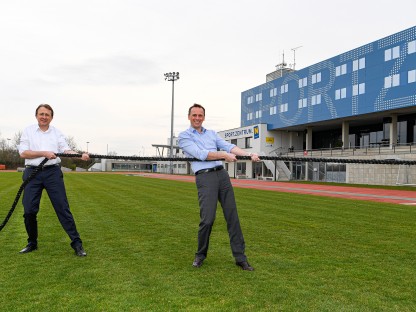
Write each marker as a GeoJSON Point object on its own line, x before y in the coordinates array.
{"type": "Point", "coordinates": [40, 130]}
{"type": "Point", "coordinates": [196, 131]}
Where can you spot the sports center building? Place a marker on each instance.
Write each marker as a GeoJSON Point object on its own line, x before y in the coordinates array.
{"type": "Point", "coordinates": [360, 104]}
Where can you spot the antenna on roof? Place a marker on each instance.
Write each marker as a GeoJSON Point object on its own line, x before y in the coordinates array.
{"type": "Point", "coordinates": [294, 55]}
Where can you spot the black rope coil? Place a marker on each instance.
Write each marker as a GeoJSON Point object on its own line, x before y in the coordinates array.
{"type": "Point", "coordinates": [19, 192]}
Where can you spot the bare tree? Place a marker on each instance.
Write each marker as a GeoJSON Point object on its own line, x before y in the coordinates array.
{"type": "Point", "coordinates": [16, 139]}
{"type": "Point", "coordinates": [72, 144]}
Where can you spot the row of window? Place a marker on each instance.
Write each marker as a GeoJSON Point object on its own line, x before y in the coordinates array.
{"type": "Point", "coordinates": [389, 54]}
{"type": "Point", "coordinates": [356, 65]}
{"type": "Point", "coordinates": [162, 166]}
{"type": "Point", "coordinates": [242, 142]}
{"type": "Point", "coordinates": [394, 80]}
{"type": "Point", "coordinates": [393, 53]}
{"type": "Point", "coordinates": [357, 89]}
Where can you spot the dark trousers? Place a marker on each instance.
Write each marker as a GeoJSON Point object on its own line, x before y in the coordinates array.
{"type": "Point", "coordinates": [51, 179]}
{"type": "Point", "coordinates": [213, 187]}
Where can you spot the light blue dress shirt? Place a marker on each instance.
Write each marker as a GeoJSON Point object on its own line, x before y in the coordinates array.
{"type": "Point", "coordinates": [198, 145]}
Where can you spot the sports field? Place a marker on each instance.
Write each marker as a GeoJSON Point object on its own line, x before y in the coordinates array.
{"type": "Point", "coordinates": [310, 253]}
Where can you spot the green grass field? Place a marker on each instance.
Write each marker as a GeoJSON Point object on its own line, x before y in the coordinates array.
{"type": "Point", "coordinates": [310, 253]}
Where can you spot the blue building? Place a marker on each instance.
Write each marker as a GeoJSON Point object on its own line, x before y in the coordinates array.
{"type": "Point", "coordinates": [360, 98]}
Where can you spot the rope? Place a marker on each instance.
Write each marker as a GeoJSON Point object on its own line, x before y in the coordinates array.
{"type": "Point", "coordinates": [19, 192]}
{"type": "Point", "coordinates": [278, 158]}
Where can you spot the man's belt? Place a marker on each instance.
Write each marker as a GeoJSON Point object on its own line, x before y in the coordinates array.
{"type": "Point", "coordinates": [217, 168]}
{"type": "Point", "coordinates": [43, 168]}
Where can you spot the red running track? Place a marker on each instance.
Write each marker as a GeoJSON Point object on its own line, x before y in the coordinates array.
{"type": "Point", "coordinates": [360, 193]}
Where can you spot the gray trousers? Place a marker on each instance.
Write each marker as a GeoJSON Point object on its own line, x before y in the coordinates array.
{"type": "Point", "coordinates": [213, 187]}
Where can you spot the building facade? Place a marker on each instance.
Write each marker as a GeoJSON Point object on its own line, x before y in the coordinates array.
{"type": "Point", "coordinates": [361, 97]}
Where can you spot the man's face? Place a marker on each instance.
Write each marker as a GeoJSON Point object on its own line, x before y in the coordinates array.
{"type": "Point", "coordinates": [196, 117]}
{"type": "Point", "coordinates": [44, 117]}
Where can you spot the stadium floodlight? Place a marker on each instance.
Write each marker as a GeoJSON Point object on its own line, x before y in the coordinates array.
{"type": "Point", "coordinates": [172, 76]}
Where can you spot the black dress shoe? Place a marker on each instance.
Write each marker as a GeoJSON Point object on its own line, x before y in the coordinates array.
{"type": "Point", "coordinates": [197, 262]}
{"type": "Point", "coordinates": [28, 248]}
{"type": "Point", "coordinates": [80, 252]}
{"type": "Point", "coordinates": [245, 266]}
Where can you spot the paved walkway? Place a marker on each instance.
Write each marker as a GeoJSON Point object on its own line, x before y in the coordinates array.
{"type": "Point", "coordinates": [360, 193]}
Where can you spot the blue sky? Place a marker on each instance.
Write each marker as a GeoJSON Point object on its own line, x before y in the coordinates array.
{"type": "Point", "coordinates": [100, 63]}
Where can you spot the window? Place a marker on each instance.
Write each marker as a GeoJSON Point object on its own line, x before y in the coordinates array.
{"type": "Point", "coordinates": [303, 103]}
{"type": "Point", "coordinates": [258, 97]}
{"type": "Point", "coordinates": [396, 52]}
{"type": "Point", "coordinates": [250, 100]}
{"type": "Point", "coordinates": [392, 81]}
{"type": "Point", "coordinates": [411, 47]}
{"type": "Point", "coordinates": [361, 88]}
{"type": "Point", "coordinates": [358, 89]}
{"type": "Point", "coordinates": [248, 142]}
{"type": "Point", "coordinates": [283, 107]}
{"type": "Point", "coordinates": [341, 70]}
{"type": "Point", "coordinates": [273, 110]}
{"type": "Point", "coordinates": [316, 99]}
{"type": "Point", "coordinates": [358, 64]}
{"type": "Point", "coordinates": [392, 53]}
{"type": "Point", "coordinates": [411, 76]}
{"type": "Point", "coordinates": [284, 88]}
{"type": "Point", "coordinates": [273, 92]}
{"type": "Point", "coordinates": [241, 168]}
{"type": "Point", "coordinates": [258, 114]}
{"type": "Point", "coordinates": [249, 116]}
{"type": "Point", "coordinates": [316, 78]}
{"type": "Point", "coordinates": [340, 93]}
{"type": "Point", "coordinates": [303, 82]}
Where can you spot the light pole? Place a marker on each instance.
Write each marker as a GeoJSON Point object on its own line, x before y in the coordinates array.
{"type": "Point", "coordinates": [87, 146]}
{"type": "Point", "coordinates": [173, 76]}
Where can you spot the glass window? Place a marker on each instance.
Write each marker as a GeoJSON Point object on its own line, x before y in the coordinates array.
{"type": "Point", "coordinates": [361, 63]}
{"type": "Point", "coordinates": [337, 94]}
{"type": "Point", "coordinates": [343, 69]}
{"type": "Point", "coordinates": [355, 90]}
{"type": "Point", "coordinates": [241, 168]}
{"type": "Point", "coordinates": [387, 82]}
{"type": "Point", "coordinates": [411, 47]}
{"type": "Point", "coordinates": [387, 55]}
{"type": "Point", "coordinates": [337, 71]}
{"type": "Point", "coordinates": [396, 52]}
{"type": "Point", "coordinates": [248, 142]}
{"type": "Point", "coordinates": [411, 76]}
{"type": "Point", "coordinates": [355, 65]}
{"type": "Point", "coordinates": [396, 80]}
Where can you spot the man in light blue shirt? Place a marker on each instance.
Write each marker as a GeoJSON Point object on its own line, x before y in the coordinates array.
{"type": "Point", "coordinates": [213, 184]}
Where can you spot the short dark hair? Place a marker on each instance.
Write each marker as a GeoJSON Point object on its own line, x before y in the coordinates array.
{"type": "Point", "coordinates": [196, 105]}
{"type": "Point", "coordinates": [47, 106]}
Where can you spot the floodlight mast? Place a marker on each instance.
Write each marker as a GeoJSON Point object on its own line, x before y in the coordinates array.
{"type": "Point", "coordinates": [172, 76]}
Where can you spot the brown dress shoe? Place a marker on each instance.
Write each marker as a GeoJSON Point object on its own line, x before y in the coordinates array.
{"type": "Point", "coordinates": [245, 266]}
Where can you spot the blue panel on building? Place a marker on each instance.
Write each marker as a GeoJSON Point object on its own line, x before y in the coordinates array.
{"type": "Point", "coordinates": [377, 77]}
